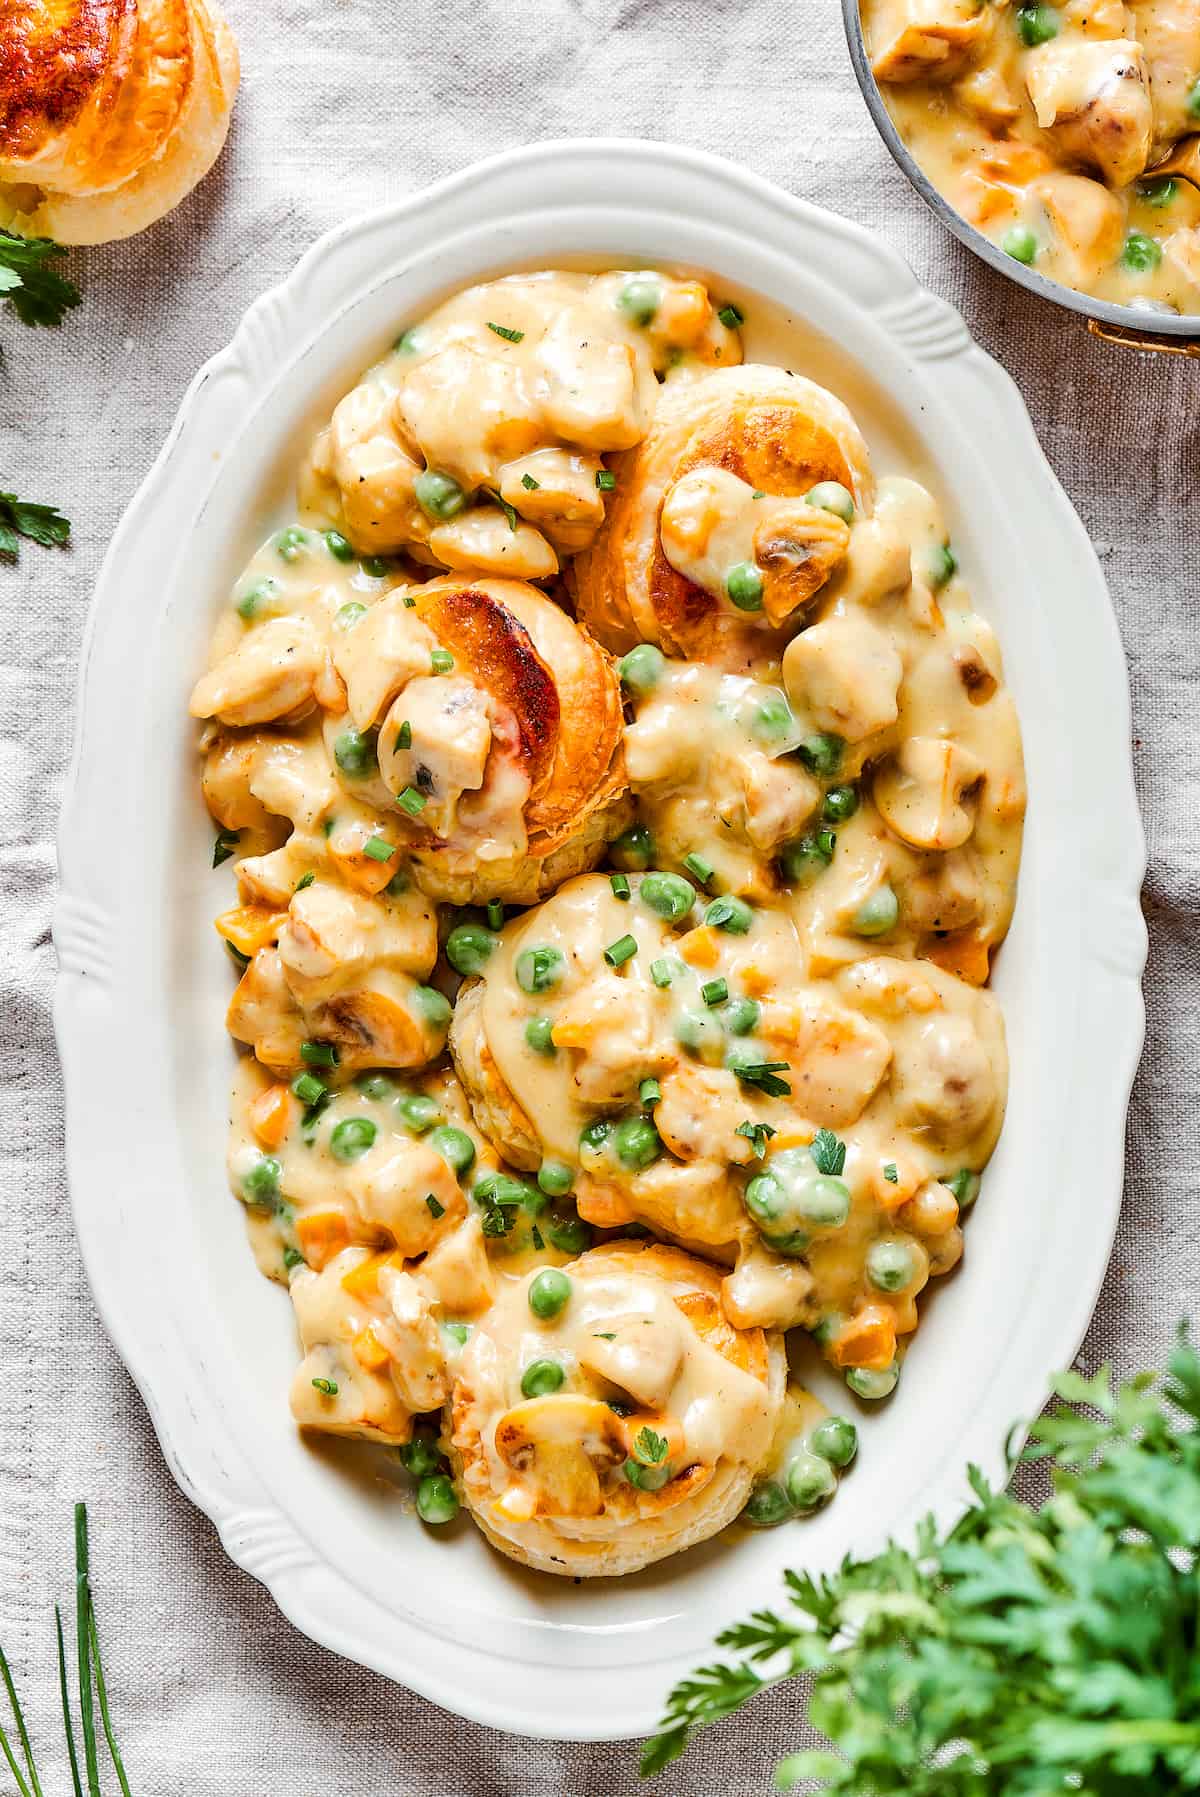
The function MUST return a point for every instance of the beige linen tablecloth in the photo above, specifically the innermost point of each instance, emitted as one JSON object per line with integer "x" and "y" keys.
{"x": 345, "y": 106}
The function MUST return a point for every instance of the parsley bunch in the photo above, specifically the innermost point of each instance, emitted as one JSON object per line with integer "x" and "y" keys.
{"x": 42, "y": 524}
{"x": 1023, "y": 1654}
{"x": 37, "y": 293}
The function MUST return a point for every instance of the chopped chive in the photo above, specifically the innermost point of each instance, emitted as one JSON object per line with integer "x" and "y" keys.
{"x": 410, "y": 602}
{"x": 699, "y": 868}
{"x": 436, "y": 1210}
{"x": 604, "y": 1335}
{"x": 649, "y": 1092}
{"x": 620, "y": 885}
{"x": 662, "y": 971}
{"x": 530, "y": 485}
{"x": 319, "y": 1054}
{"x": 441, "y": 661}
{"x": 83, "y": 1652}
{"x": 606, "y": 480}
{"x": 225, "y": 845}
{"x": 503, "y": 330}
{"x": 714, "y": 992}
{"x": 617, "y": 953}
{"x": 328, "y": 1388}
{"x": 891, "y": 1173}
{"x": 535, "y": 1236}
{"x": 292, "y": 1257}
{"x": 235, "y": 954}
{"x": 495, "y": 914}
{"x": 378, "y": 848}
{"x": 102, "y": 1695}
{"x": 404, "y": 735}
{"x": 308, "y": 1088}
{"x": 731, "y": 317}
{"x": 68, "y": 1724}
{"x": 412, "y": 801}
{"x": 305, "y": 881}
{"x": 24, "y": 1737}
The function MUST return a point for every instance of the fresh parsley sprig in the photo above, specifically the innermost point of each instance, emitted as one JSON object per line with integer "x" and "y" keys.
{"x": 92, "y": 1692}
{"x": 828, "y": 1152}
{"x": 1021, "y": 1654}
{"x": 42, "y": 524}
{"x": 37, "y": 293}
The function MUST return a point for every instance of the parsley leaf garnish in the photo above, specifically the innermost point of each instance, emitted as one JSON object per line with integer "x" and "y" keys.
{"x": 37, "y": 293}
{"x": 762, "y": 1074}
{"x": 649, "y": 1448}
{"x": 510, "y": 511}
{"x": 758, "y": 1134}
{"x": 42, "y": 524}
{"x": 507, "y": 332}
{"x": 829, "y": 1155}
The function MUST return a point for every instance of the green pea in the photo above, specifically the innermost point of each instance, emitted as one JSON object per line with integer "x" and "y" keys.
{"x": 555, "y": 1178}
{"x": 413, "y": 341}
{"x": 733, "y": 915}
{"x": 773, "y": 720}
{"x": 377, "y": 566}
{"x": 459, "y": 1333}
{"x": 504, "y": 1189}
{"x": 549, "y": 1292}
{"x": 438, "y": 495}
{"x": 354, "y": 752}
{"x": 822, "y": 753}
{"x": 641, "y": 670}
{"x": 741, "y": 1016}
{"x": 437, "y": 1500}
{"x": 539, "y": 1034}
{"x": 965, "y": 1186}
{"x": 871, "y": 1383}
{"x": 826, "y": 1327}
{"x": 810, "y": 1481}
{"x": 647, "y": 1478}
{"x": 764, "y": 1199}
{"x": 832, "y": 496}
{"x": 637, "y": 1143}
{"x": 419, "y": 1111}
{"x": 835, "y": 1439}
{"x": 454, "y": 1145}
{"x": 570, "y": 1235}
{"x": 290, "y": 544}
{"x": 375, "y": 1085}
{"x": 1036, "y": 25}
{"x": 1020, "y": 243}
{"x": 339, "y": 547}
{"x": 633, "y": 849}
{"x": 1193, "y": 100}
{"x": 1141, "y": 254}
{"x": 540, "y": 1378}
{"x": 891, "y": 1264}
{"x": 469, "y": 947}
{"x": 824, "y": 1202}
{"x": 254, "y": 598}
{"x": 744, "y": 584}
{"x": 767, "y": 1506}
{"x": 260, "y": 1186}
{"x": 539, "y": 969}
{"x": 668, "y": 895}
{"x": 420, "y": 1456}
{"x": 351, "y": 1138}
{"x": 593, "y": 1137}
{"x": 431, "y": 1006}
{"x": 348, "y": 615}
{"x": 877, "y": 914}
{"x": 640, "y": 298}
{"x": 701, "y": 1034}
{"x": 802, "y": 861}
{"x": 840, "y": 802}
{"x": 1159, "y": 193}
{"x": 941, "y": 565}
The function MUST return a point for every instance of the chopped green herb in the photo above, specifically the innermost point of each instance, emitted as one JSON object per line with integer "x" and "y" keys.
{"x": 505, "y": 331}
{"x": 510, "y": 511}
{"x": 38, "y": 295}
{"x": 762, "y": 1074}
{"x": 604, "y": 1335}
{"x": 404, "y": 735}
{"x": 530, "y": 485}
{"x": 606, "y": 480}
{"x": 699, "y": 868}
{"x": 441, "y": 661}
{"x": 758, "y": 1135}
{"x": 649, "y": 1448}
{"x": 829, "y": 1154}
{"x": 305, "y": 881}
{"x": 664, "y": 970}
{"x": 617, "y": 953}
{"x": 436, "y": 1210}
{"x": 292, "y": 1257}
{"x": 731, "y": 317}
{"x": 42, "y": 524}
{"x": 620, "y": 885}
{"x": 236, "y": 955}
{"x": 649, "y": 1092}
{"x": 328, "y": 1388}
{"x": 378, "y": 848}
{"x": 225, "y": 845}
{"x": 319, "y": 1054}
{"x": 891, "y": 1173}
{"x": 308, "y": 1088}
{"x": 715, "y": 992}
{"x": 495, "y": 914}
{"x": 412, "y": 801}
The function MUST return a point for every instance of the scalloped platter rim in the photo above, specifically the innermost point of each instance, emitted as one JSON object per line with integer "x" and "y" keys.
{"x": 139, "y": 1005}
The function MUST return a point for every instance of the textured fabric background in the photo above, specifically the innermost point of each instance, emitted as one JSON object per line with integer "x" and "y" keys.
{"x": 343, "y": 106}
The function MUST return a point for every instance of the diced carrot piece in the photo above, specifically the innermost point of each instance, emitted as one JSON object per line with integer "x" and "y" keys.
{"x": 984, "y": 201}
{"x": 321, "y": 1236}
{"x": 362, "y": 1281}
{"x": 962, "y": 952}
{"x": 867, "y": 1339}
{"x": 360, "y": 871}
{"x": 271, "y": 1115}
{"x": 1013, "y": 160}
{"x": 250, "y": 927}
{"x": 890, "y": 1194}
{"x": 781, "y": 1023}
{"x": 699, "y": 946}
{"x": 369, "y": 1351}
{"x": 569, "y": 1034}
{"x": 601, "y": 1205}
{"x": 755, "y": 982}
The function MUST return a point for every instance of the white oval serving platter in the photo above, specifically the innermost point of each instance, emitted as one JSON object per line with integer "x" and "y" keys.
{"x": 142, "y": 985}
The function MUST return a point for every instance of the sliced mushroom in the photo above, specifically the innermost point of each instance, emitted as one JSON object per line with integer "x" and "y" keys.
{"x": 560, "y": 1446}
{"x": 1093, "y": 99}
{"x": 845, "y": 676}
{"x": 798, "y": 547}
{"x": 375, "y": 1024}
{"x": 923, "y": 793}
{"x": 269, "y": 675}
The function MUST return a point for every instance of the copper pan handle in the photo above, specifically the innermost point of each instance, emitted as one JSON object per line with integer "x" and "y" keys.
{"x": 1127, "y": 338}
